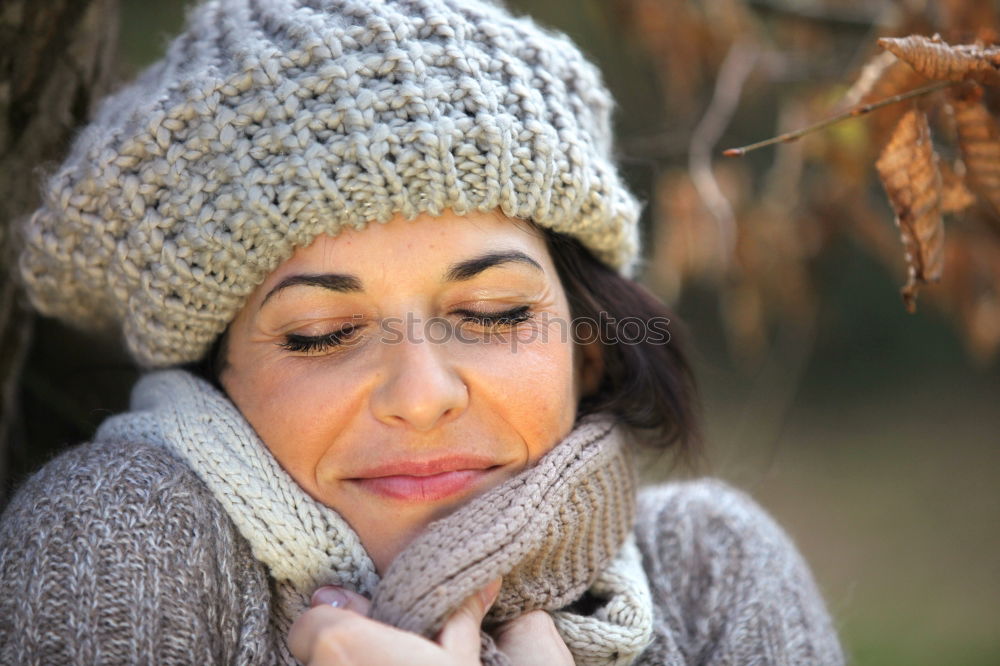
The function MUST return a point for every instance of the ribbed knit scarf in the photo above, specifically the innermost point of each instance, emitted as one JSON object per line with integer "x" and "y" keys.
{"x": 556, "y": 532}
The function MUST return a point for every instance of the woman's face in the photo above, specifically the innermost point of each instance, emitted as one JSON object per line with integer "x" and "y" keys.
{"x": 399, "y": 370}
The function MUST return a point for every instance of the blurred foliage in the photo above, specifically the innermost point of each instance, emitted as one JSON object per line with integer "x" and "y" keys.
{"x": 753, "y": 230}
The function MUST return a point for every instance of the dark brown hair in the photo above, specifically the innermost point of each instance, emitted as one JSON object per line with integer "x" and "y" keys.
{"x": 646, "y": 380}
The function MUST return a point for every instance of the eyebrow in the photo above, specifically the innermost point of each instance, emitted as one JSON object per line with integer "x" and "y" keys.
{"x": 468, "y": 269}
{"x": 457, "y": 272}
{"x": 331, "y": 281}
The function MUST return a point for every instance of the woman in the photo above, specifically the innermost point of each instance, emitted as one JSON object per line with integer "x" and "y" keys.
{"x": 377, "y": 254}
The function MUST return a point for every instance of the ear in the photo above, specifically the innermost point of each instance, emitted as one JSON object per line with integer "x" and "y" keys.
{"x": 589, "y": 366}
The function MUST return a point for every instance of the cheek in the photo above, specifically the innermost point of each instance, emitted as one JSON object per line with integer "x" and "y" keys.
{"x": 531, "y": 384}
{"x": 295, "y": 410}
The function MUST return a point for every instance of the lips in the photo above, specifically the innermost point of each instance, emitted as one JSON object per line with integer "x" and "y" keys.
{"x": 425, "y": 481}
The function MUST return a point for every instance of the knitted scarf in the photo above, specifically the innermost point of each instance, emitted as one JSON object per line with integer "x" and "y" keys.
{"x": 556, "y": 532}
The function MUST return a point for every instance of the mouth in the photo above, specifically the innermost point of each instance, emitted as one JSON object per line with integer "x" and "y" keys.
{"x": 430, "y": 481}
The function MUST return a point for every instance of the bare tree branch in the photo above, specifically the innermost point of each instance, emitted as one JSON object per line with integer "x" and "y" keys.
{"x": 733, "y": 74}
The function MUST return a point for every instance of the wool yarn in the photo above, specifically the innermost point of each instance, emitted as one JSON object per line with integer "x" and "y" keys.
{"x": 270, "y": 122}
{"x": 552, "y": 532}
{"x": 117, "y": 552}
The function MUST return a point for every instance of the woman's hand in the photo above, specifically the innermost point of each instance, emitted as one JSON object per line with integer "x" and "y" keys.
{"x": 532, "y": 640}
{"x": 336, "y": 631}
{"x": 327, "y": 634}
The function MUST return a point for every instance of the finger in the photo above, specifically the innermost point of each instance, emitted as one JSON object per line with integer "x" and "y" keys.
{"x": 328, "y": 636}
{"x": 338, "y": 597}
{"x": 460, "y": 634}
{"x": 304, "y": 634}
{"x": 532, "y": 640}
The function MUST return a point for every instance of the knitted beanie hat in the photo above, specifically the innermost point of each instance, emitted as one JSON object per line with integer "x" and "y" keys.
{"x": 270, "y": 122}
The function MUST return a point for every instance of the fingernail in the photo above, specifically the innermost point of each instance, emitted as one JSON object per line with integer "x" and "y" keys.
{"x": 331, "y": 596}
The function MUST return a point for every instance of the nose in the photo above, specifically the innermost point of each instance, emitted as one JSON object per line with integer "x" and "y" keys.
{"x": 420, "y": 388}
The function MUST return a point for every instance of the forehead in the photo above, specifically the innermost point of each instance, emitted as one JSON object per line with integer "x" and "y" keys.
{"x": 418, "y": 246}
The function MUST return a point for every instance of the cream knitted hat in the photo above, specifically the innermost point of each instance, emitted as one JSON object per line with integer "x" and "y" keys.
{"x": 270, "y": 122}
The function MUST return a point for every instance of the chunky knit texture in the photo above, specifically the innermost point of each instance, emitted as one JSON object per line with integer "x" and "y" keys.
{"x": 115, "y": 553}
{"x": 118, "y": 552}
{"x": 568, "y": 516}
{"x": 728, "y": 586}
{"x": 270, "y": 122}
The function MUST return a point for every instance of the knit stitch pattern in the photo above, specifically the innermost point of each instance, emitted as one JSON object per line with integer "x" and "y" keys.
{"x": 270, "y": 122}
{"x": 116, "y": 553}
{"x": 304, "y": 543}
{"x": 567, "y": 516}
{"x": 730, "y": 586}
{"x": 621, "y": 628}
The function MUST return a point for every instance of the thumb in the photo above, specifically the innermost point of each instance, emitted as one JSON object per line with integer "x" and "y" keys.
{"x": 338, "y": 597}
{"x": 460, "y": 634}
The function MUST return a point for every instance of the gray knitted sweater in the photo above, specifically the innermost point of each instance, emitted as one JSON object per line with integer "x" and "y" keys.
{"x": 117, "y": 553}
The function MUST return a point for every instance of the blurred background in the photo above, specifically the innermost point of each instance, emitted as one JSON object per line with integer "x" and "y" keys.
{"x": 870, "y": 433}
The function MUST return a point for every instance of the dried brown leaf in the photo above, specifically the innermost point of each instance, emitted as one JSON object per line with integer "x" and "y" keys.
{"x": 971, "y": 291}
{"x": 983, "y": 326}
{"x": 936, "y": 59}
{"x": 883, "y": 76}
{"x": 979, "y": 140}
{"x": 955, "y": 196}
{"x": 688, "y": 243}
{"x": 965, "y": 21}
{"x": 909, "y": 172}
{"x": 742, "y": 307}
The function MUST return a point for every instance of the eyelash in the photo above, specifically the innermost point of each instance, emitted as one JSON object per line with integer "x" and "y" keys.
{"x": 492, "y": 320}
{"x": 317, "y": 343}
{"x": 305, "y": 344}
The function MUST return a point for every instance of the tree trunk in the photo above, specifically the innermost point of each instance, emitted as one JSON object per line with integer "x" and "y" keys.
{"x": 57, "y": 61}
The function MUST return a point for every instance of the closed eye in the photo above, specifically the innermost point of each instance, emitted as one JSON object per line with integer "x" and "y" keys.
{"x": 342, "y": 337}
{"x": 492, "y": 320}
{"x": 348, "y": 334}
